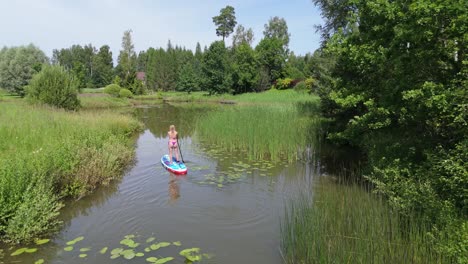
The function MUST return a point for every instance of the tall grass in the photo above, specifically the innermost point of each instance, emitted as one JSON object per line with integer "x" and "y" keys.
{"x": 48, "y": 154}
{"x": 347, "y": 224}
{"x": 263, "y": 131}
{"x": 100, "y": 101}
{"x": 270, "y": 96}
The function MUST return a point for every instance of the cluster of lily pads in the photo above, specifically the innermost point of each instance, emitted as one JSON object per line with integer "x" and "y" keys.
{"x": 235, "y": 173}
{"x": 28, "y": 250}
{"x": 127, "y": 250}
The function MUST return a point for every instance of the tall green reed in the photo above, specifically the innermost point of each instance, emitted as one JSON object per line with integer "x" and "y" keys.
{"x": 344, "y": 223}
{"x": 262, "y": 131}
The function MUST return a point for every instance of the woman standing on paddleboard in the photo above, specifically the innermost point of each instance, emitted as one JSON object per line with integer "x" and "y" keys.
{"x": 172, "y": 144}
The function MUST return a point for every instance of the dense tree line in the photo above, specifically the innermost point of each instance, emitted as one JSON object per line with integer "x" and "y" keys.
{"x": 398, "y": 90}
{"x": 219, "y": 68}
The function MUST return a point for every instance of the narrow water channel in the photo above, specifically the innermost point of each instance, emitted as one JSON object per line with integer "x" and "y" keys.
{"x": 227, "y": 206}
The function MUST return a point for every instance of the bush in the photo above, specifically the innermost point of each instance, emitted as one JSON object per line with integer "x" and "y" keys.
{"x": 283, "y": 84}
{"x": 125, "y": 93}
{"x": 137, "y": 87}
{"x": 112, "y": 89}
{"x": 301, "y": 86}
{"x": 310, "y": 83}
{"x": 54, "y": 86}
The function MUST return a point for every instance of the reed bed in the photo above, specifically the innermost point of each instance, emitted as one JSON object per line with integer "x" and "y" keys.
{"x": 47, "y": 154}
{"x": 262, "y": 131}
{"x": 272, "y": 96}
{"x": 346, "y": 224}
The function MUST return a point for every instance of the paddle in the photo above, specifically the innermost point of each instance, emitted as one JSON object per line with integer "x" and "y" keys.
{"x": 180, "y": 151}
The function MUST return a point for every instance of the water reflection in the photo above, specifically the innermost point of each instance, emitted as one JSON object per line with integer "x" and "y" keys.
{"x": 184, "y": 116}
{"x": 174, "y": 188}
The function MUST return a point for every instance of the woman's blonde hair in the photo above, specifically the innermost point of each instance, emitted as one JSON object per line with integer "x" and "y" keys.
{"x": 171, "y": 127}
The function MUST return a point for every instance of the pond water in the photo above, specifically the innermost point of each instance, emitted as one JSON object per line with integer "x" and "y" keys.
{"x": 226, "y": 205}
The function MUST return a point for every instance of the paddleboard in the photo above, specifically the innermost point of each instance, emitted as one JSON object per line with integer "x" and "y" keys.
{"x": 173, "y": 166}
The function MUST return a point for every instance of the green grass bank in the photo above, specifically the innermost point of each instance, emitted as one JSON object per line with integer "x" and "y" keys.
{"x": 47, "y": 155}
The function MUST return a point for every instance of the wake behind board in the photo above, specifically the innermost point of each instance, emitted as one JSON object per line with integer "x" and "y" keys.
{"x": 173, "y": 166}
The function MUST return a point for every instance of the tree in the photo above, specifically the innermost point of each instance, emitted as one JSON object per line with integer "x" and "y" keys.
{"x": 225, "y": 22}
{"x": 242, "y": 36}
{"x": 18, "y": 65}
{"x": 245, "y": 69}
{"x": 399, "y": 93}
{"x": 216, "y": 69}
{"x": 271, "y": 57}
{"x": 277, "y": 28}
{"x": 188, "y": 80}
{"x": 198, "y": 52}
{"x": 141, "y": 61}
{"x": 127, "y": 60}
{"x": 79, "y": 60}
{"x": 55, "y": 86}
{"x": 103, "y": 67}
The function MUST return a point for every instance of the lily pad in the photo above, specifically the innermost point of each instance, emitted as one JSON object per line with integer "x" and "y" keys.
{"x": 30, "y": 250}
{"x": 191, "y": 254}
{"x": 115, "y": 256}
{"x": 129, "y": 236}
{"x": 85, "y": 249}
{"x": 147, "y": 249}
{"x": 220, "y": 185}
{"x": 72, "y": 242}
{"x": 42, "y": 241}
{"x": 39, "y": 261}
{"x": 128, "y": 254}
{"x": 163, "y": 260}
{"x": 18, "y": 252}
{"x": 177, "y": 243}
{"x": 151, "y": 239}
{"x": 69, "y": 248}
{"x": 139, "y": 254}
{"x": 83, "y": 255}
{"x": 152, "y": 259}
{"x": 103, "y": 250}
{"x": 116, "y": 251}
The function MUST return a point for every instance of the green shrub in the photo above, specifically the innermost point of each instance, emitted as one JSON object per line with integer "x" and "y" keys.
{"x": 310, "y": 83}
{"x": 53, "y": 85}
{"x": 283, "y": 84}
{"x": 301, "y": 86}
{"x": 125, "y": 93}
{"x": 112, "y": 89}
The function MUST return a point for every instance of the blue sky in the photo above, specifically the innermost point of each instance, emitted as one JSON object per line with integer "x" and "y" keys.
{"x": 55, "y": 24}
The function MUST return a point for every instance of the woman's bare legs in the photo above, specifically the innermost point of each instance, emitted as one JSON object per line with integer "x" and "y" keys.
{"x": 170, "y": 153}
{"x": 176, "y": 149}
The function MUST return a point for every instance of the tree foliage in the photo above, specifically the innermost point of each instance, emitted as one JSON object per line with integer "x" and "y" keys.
{"x": 277, "y": 28}
{"x": 216, "y": 69}
{"x": 399, "y": 93}
{"x": 80, "y": 61}
{"x": 244, "y": 69}
{"x": 271, "y": 57}
{"x": 18, "y": 65}
{"x": 242, "y": 35}
{"x": 225, "y": 21}
{"x": 54, "y": 86}
{"x": 127, "y": 60}
{"x": 103, "y": 67}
